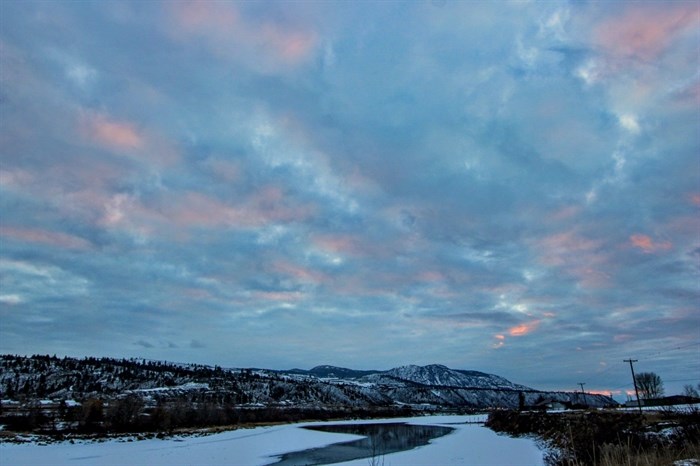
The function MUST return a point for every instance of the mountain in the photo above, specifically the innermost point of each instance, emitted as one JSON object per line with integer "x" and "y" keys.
{"x": 330, "y": 372}
{"x": 156, "y": 382}
{"x": 338, "y": 372}
{"x": 439, "y": 375}
{"x": 430, "y": 375}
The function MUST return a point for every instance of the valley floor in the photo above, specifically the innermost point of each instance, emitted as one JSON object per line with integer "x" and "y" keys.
{"x": 469, "y": 444}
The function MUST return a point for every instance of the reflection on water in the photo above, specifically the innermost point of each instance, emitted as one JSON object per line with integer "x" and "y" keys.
{"x": 379, "y": 440}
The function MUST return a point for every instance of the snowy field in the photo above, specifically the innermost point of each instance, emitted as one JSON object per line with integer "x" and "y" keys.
{"x": 469, "y": 444}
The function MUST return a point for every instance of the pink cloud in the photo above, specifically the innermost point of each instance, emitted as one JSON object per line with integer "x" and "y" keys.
{"x": 50, "y": 238}
{"x": 292, "y": 46}
{"x": 565, "y": 213}
{"x": 202, "y": 16}
{"x": 197, "y": 210}
{"x": 648, "y": 245}
{"x": 124, "y": 137}
{"x": 300, "y": 273}
{"x": 228, "y": 33}
{"x": 645, "y": 30}
{"x": 115, "y": 134}
{"x": 695, "y": 199}
{"x": 577, "y": 256}
{"x": 523, "y": 329}
{"x": 339, "y": 244}
{"x": 559, "y": 249}
{"x": 430, "y": 276}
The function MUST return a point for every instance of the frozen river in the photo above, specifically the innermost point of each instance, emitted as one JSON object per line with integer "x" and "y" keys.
{"x": 456, "y": 443}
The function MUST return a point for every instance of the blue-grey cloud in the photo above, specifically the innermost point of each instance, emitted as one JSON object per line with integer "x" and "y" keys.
{"x": 508, "y": 187}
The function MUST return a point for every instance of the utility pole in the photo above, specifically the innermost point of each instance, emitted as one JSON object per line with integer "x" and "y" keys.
{"x": 583, "y": 393}
{"x": 634, "y": 379}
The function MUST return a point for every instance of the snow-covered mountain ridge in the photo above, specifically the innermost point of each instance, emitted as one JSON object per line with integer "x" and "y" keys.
{"x": 330, "y": 372}
{"x": 437, "y": 386}
{"x": 442, "y": 376}
{"x": 432, "y": 375}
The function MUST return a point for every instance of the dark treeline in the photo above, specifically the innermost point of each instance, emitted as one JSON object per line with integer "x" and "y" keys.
{"x": 132, "y": 415}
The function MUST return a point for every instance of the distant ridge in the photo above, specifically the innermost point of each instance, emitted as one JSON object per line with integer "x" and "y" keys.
{"x": 439, "y": 375}
{"x": 436, "y": 375}
{"x": 330, "y": 372}
{"x": 433, "y": 386}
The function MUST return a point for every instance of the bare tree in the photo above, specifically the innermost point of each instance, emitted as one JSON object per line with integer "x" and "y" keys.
{"x": 689, "y": 390}
{"x": 650, "y": 385}
{"x": 124, "y": 413}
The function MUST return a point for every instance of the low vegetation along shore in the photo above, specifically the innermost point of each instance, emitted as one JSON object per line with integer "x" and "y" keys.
{"x": 608, "y": 438}
{"x": 96, "y": 418}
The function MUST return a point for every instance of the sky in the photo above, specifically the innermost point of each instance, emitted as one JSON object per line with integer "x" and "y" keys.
{"x": 509, "y": 186}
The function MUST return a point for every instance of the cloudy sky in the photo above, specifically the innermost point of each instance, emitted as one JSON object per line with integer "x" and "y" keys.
{"x": 509, "y": 186}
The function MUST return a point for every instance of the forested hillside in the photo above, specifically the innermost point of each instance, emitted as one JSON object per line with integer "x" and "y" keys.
{"x": 122, "y": 394}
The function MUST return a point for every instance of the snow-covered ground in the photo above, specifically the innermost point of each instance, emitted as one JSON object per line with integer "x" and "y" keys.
{"x": 469, "y": 444}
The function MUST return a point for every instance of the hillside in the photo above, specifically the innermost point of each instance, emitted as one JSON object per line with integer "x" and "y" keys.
{"x": 434, "y": 386}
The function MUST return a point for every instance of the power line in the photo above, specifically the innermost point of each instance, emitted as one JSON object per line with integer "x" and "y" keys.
{"x": 652, "y": 356}
{"x": 627, "y": 385}
{"x": 620, "y": 387}
{"x": 675, "y": 348}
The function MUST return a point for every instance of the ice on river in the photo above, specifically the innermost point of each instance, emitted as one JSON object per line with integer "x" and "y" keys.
{"x": 468, "y": 444}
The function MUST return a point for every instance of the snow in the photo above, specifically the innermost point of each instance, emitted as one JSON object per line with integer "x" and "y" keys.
{"x": 468, "y": 444}
{"x": 185, "y": 386}
{"x": 437, "y": 374}
{"x": 688, "y": 408}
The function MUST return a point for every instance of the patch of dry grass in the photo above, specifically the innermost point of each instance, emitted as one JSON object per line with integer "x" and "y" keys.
{"x": 626, "y": 455}
{"x": 600, "y": 438}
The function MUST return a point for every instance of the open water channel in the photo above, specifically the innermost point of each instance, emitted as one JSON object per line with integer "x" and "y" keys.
{"x": 376, "y": 441}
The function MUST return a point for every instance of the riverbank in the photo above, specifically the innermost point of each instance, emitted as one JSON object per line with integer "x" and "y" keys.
{"x": 607, "y": 438}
